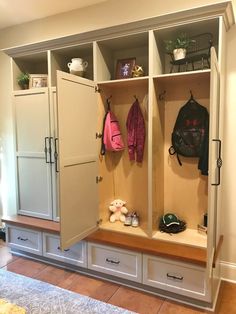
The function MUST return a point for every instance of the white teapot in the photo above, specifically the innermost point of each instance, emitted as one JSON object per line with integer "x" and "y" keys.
{"x": 77, "y": 66}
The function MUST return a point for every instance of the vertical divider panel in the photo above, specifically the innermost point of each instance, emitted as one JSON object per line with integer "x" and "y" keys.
{"x": 50, "y": 69}
{"x": 150, "y": 154}
{"x": 95, "y": 61}
{"x": 158, "y": 128}
{"x": 102, "y": 70}
{"x": 15, "y": 70}
{"x": 151, "y": 61}
{"x": 106, "y": 168}
{"x": 155, "y": 65}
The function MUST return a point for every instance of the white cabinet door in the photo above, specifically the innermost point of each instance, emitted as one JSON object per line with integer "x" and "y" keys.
{"x": 77, "y": 165}
{"x": 214, "y": 154}
{"x": 32, "y": 131}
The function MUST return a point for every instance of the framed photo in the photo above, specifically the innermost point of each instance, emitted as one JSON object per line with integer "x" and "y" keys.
{"x": 38, "y": 80}
{"x": 124, "y": 68}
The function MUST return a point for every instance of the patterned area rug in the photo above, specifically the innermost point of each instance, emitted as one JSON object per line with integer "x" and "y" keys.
{"x": 38, "y": 297}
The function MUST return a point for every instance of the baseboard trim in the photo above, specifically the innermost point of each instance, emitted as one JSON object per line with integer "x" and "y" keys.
{"x": 228, "y": 271}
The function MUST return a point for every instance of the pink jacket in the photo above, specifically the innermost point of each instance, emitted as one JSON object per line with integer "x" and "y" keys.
{"x": 135, "y": 132}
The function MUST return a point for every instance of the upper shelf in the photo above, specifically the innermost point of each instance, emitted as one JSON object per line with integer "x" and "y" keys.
{"x": 138, "y": 81}
{"x": 111, "y": 60}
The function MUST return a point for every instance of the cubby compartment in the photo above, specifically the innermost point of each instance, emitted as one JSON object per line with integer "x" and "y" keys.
{"x": 122, "y": 178}
{"x": 62, "y": 56}
{"x": 111, "y": 54}
{"x": 203, "y": 34}
{"x": 33, "y": 64}
{"x": 181, "y": 190}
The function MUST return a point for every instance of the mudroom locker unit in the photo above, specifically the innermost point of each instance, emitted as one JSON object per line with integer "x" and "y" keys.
{"x": 65, "y": 186}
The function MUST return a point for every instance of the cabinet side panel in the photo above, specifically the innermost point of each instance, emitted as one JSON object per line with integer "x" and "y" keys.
{"x": 130, "y": 177}
{"x": 106, "y": 166}
{"x": 158, "y": 155}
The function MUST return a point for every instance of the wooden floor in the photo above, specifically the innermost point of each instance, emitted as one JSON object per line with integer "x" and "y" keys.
{"x": 115, "y": 294}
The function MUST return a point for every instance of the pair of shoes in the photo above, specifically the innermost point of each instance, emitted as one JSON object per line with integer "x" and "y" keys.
{"x": 132, "y": 220}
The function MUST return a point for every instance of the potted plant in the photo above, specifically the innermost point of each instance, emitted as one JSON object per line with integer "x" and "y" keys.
{"x": 178, "y": 46}
{"x": 23, "y": 80}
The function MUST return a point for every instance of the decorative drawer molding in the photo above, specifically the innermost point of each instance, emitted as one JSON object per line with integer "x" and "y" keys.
{"x": 180, "y": 278}
{"x": 24, "y": 239}
{"x": 117, "y": 262}
{"x": 76, "y": 254}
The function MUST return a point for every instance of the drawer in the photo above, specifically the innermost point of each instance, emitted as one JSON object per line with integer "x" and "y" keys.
{"x": 76, "y": 254}
{"x": 181, "y": 278}
{"x": 25, "y": 239}
{"x": 122, "y": 263}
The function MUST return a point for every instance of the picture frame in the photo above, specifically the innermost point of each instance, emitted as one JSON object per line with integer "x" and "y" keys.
{"x": 124, "y": 68}
{"x": 38, "y": 80}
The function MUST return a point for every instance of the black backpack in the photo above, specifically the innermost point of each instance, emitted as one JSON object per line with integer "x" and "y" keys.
{"x": 190, "y": 135}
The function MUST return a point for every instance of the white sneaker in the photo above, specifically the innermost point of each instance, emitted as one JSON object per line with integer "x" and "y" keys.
{"x": 135, "y": 220}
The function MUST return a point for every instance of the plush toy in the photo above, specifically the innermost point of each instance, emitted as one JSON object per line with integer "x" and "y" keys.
{"x": 119, "y": 210}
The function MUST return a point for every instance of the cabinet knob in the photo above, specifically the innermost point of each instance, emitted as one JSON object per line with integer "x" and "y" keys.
{"x": 66, "y": 250}
{"x": 22, "y": 239}
{"x": 180, "y": 278}
{"x": 111, "y": 261}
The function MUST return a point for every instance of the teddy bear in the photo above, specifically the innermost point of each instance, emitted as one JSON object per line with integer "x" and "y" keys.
{"x": 118, "y": 209}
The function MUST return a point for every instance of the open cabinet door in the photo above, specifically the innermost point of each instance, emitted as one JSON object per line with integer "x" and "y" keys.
{"x": 77, "y": 163}
{"x": 214, "y": 160}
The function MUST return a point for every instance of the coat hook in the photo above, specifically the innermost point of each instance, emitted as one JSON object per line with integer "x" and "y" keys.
{"x": 191, "y": 94}
{"x": 162, "y": 95}
{"x": 109, "y": 103}
{"x": 135, "y": 97}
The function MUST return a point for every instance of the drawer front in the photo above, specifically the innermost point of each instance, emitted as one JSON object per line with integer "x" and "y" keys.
{"x": 122, "y": 263}
{"x": 176, "y": 277}
{"x": 76, "y": 254}
{"x": 25, "y": 239}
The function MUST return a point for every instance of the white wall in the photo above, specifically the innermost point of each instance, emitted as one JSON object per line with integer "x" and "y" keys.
{"x": 106, "y": 14}
{"x": 111, "y": 12}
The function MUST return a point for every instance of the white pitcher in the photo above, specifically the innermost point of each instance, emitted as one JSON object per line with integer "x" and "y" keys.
{"x": 77, "y": 66}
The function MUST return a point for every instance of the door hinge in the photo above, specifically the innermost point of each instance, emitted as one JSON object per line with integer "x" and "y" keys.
{"x": 98, "y": 135}
{"x": 97, "y": 89}
{"x": 98, "y": 179}
{"x": 99, "y": 222}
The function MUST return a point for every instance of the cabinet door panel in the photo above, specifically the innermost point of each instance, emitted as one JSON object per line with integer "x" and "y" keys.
{"x": 34, "y": 196}
{"x": 32, "y": 121}
{"x": 77, "y": 115}
{"x": 33, "y": 173}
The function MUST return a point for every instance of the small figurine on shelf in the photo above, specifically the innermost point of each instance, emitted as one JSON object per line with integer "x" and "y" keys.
{"x": 118, "y": 210}
{"x": 137, "y": 71}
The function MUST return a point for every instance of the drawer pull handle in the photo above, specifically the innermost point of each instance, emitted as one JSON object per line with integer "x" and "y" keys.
{"x": 112, "y": 262}
{"x": 22, "y": 239}
{"x": 175, "y": 277}
{"x": 66, "y": 250}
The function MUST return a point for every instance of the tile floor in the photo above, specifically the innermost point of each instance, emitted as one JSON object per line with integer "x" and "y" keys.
{"x": 115, "y": 294}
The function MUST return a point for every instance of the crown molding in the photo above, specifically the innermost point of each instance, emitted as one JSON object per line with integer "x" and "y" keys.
{"x": 224, "y": 9}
